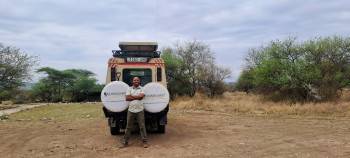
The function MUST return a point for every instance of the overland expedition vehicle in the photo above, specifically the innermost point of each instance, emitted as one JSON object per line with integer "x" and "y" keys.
{"x": 139, "y": 59}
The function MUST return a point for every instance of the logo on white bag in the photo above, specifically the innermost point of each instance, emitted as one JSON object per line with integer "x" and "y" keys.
{"x": 113, "y": 93}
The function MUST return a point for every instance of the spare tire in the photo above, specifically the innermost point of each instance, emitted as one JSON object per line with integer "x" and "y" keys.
{"x": 156, "y": 97}
{"x": 113, "y": 96}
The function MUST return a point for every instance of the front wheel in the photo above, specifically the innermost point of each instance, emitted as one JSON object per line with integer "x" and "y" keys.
{"x": 115, "y": 130}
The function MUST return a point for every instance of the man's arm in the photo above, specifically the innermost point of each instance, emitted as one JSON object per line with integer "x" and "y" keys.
{"x": 138, "y": 97}
{"x": 129, "y": 97}
{"x": 142, "y": 94}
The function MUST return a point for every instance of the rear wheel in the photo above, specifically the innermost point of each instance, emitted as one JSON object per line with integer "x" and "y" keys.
{"x": 115, "y": 130}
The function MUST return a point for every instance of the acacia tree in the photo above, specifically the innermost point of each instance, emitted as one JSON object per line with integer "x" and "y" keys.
{"x": 54, "y": 83}
{"x": 190, "y": 67}
{"x": 211, "y": 78}
{"x": 72, "y": 85}
{"x": 15, "y": 68}
{"x": 194, "y": 55}
{"x": 83, "y": 85}
{"x": 177, "y": 78}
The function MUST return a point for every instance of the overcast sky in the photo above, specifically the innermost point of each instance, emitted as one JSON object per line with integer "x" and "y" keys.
{"x": 82, "y": 33}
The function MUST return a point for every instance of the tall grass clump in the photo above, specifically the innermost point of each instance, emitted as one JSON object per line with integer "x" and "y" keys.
{"x": 240, "y": 102}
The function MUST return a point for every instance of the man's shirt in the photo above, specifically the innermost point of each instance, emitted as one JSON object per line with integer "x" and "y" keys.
{"x": 135, "y": 106}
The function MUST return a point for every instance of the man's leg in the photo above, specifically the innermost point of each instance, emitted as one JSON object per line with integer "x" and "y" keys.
{"x": 129, "y": 126}
{"x": 141, "y": 122}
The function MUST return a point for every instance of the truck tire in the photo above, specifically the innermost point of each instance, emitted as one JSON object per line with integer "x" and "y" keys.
{"x": 161, "y": 129}
{"x": 115, "y": 130}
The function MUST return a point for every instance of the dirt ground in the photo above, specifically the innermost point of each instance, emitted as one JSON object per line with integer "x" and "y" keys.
{"x": 189, "y": 134}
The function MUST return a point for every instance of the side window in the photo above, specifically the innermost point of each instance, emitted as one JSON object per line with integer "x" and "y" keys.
{"x": 113, "y": 74}
{"x": 159, "y": 74}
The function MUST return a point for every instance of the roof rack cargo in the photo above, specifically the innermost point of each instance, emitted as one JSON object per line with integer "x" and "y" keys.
{"x": 137, "y": 49}
{"x": 138, "y": 46}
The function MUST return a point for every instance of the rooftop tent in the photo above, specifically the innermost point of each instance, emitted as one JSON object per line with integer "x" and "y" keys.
{"x": 138, "y": 46}
{"x": 137, "y": 49}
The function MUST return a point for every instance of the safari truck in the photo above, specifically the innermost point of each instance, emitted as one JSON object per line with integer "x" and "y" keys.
{"x": 136, "y": 59}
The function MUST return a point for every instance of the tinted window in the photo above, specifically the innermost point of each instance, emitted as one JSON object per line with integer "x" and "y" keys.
{"x": 159, "y": 74}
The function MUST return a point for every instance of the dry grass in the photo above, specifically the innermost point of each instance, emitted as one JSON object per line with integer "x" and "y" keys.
{"x": 254, "y": 104}
{"x": 60, "y": 112}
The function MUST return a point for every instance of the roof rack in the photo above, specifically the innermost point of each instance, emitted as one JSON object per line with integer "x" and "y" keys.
{"x": 137, "y": 49}
{"x": 124, "y": 54}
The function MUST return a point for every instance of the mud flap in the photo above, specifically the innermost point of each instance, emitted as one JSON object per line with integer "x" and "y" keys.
{"x": 163, "y": 120}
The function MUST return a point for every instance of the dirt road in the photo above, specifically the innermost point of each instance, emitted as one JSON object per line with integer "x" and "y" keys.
{"x": 189, "y": 134}
{"x": 19, "y": 108}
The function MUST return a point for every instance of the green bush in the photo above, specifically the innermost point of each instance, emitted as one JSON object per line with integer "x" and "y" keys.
{"x": 246, "y": 81}
{"x": 315, "y": 69}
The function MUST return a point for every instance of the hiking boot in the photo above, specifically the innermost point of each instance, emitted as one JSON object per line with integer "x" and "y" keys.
{"x": 123, "y": 144}
{"x": 145, "y": 145}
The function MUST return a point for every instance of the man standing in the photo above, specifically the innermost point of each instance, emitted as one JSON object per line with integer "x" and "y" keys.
{"x": 135, "y": 95}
